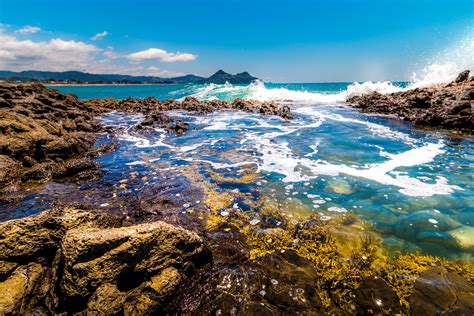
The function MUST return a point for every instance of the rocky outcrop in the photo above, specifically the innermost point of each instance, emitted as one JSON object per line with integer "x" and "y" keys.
{"x": 152, "y": 105}
{"x": 449, "y": 106}
{"x": 47, "y": 135}
{"x": 438, "y": 291}
{"x": 73, "y": 260}
{"x": 40, "y": 131}
{"x": 158, "y": 119}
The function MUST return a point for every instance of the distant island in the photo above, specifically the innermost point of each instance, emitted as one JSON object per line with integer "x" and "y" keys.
{"x": 78, "y": 77}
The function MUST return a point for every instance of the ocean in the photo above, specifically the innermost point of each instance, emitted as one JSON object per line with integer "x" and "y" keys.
{"x": 413, "y": 186}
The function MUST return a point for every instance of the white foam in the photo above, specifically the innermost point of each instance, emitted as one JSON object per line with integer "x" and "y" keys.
{"x": 143, "y": 142}
{"x": 278, "y": 157}
{"x": 442, "y": 68}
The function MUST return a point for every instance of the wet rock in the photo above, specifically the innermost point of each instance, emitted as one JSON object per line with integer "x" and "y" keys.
{"x": 72, "y": 260}
{"x": 152, "y": 105}
{"x": 463, "y": 76}
{"x": 43, "y": 127}
{"x": 375, "y": 297}
{"x": 440, "y": 292}
{"x": 10, "y": 170}
{"x": 464, "y": 237}
{"x": 162, "y": 120}
{"x": 447, "y": 106}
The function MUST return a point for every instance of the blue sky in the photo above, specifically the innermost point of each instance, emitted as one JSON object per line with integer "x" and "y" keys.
{"x": 280, "y": 41}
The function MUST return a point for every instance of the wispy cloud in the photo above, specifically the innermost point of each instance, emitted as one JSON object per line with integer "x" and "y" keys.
{"x": 162, "y": 55}
{"x": 99, "y": 36}
{"x": 28, "y": 29}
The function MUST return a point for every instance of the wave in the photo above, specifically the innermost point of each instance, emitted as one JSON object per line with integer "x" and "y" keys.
{"x": 258, "y": 91}
{"x": 441, "y": 69}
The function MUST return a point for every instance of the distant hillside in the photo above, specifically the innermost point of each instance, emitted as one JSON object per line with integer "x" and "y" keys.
{"x": 219, "y": 77}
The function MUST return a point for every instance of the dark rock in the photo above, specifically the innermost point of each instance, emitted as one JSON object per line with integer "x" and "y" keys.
{"x": 376, "y": 296}
{"x": 463, "y": 76}
{"x": 440, "y": 292}
{"x": 448, "y": 106}
{"x": 43, "y": 127}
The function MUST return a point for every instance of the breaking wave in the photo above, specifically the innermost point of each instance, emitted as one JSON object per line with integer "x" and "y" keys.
{"x": 442, "y": 68}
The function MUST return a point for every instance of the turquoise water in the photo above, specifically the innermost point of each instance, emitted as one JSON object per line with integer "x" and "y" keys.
{"x": 414, "y": 186}
{"x": 177, "y": 91}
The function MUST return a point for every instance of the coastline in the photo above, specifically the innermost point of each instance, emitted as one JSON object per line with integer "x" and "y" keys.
{"x": 105, "y": 84}
{"x": 179, "y": 245}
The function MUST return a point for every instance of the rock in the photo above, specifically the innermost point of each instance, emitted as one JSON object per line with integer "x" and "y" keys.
{"x": 159, "y": 119}
{"x": 72, "y": 261}
{"x": 42, "y": 127}
{"x": 376, "y": 296}
{"x": 447, "y": 106}
{"x": 464, "y": 237}
{"x": 95, "y": 256}
{"x": 106, "y": 300}
{"x": 10, "y": 170}
{"x": 440, "y": 292}
{"x": 463, "y": 76}
{"x": 17, "y": 286}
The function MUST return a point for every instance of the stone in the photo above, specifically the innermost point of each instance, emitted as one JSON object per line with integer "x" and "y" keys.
{"x": 70, "y": 260}
{"x": 17, "y": 286}
{"x": 464, "y": 237}
{"x": 95, "y": 256}
{"x": 448, "y": 106}
{"x": 438, "y": 292}
{"x": 375, "y": 295}
{"x": 463, "y": 76}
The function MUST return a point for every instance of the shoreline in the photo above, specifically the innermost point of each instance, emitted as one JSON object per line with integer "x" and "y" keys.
{"x": 104, "y": 84}
{"x": 180, "y": 245}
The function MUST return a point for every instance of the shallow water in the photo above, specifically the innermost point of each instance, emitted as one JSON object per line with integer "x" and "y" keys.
{"x": 416, "y": 187}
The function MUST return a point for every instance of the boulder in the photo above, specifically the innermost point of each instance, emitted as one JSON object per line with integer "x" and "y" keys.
{"x": 82, "y": 261}
{"x": 463, "y": 76}
{"x": 448, "y": 106}
{"x": 440, "y": 292}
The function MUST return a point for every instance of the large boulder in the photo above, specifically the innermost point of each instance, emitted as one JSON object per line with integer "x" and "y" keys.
{"x": 42, "y": 126}
{"x": 448, "y": 106}
{"x": 438, "y": 292}
{"x": 81, "y": 261}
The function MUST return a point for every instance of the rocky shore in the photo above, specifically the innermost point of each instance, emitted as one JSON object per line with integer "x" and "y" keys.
{"x": 147, "y": 250}
{"x": 448, "y": 106}
{"x": 47, "y": 135}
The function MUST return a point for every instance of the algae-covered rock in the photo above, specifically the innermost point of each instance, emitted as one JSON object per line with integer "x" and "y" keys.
{"x": 17, "y": 286}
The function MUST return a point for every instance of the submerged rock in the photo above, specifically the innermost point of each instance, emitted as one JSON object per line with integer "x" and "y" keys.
{"x": 440, "y": 292}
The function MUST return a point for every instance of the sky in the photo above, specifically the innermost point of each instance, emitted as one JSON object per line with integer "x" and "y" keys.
{"x": 278, "y": 41}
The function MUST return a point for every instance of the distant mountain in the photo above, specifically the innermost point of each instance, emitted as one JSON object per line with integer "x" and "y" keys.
{"x": 219, "y": 77}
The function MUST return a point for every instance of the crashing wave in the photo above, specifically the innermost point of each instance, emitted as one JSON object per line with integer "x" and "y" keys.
{"x": 442, "y": 69}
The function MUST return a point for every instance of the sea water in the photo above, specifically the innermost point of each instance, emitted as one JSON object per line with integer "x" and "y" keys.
{"x": 414, "y": 186}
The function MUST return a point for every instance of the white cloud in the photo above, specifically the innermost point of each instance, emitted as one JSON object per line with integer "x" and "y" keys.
{"x": 55, "y": 54}
{"x": 63, "y": 55}
{"x": 109, "y": 53}
{"x": 99, "y": 36}
{"x": 28, "y": 29}
{"x": 161, "y": 54}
